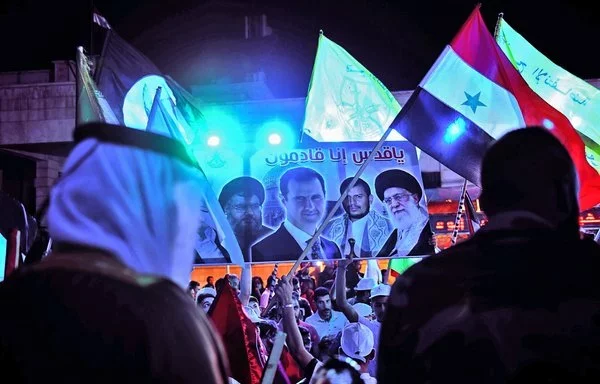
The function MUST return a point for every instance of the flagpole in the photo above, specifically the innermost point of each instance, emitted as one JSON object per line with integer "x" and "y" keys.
{"x": 78, "y": 83}
{"x": 153, "y": 109}
{"x": 497, "y": 28}
{"x": 338, "y": 203}
{"x": 468, "y": 219}
{"x": 461, "y": 207}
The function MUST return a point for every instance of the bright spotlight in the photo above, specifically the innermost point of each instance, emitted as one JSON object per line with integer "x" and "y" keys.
{"x": 275, "y": 132}
{"x": 213, "y": 141}
{"x": 274, "y": 139}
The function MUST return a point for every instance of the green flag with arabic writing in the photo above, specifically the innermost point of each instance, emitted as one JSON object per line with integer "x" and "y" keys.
{"x": 345, "y": 101}
{"x": 575, "y": 98}
{"x": 91, "y": 104}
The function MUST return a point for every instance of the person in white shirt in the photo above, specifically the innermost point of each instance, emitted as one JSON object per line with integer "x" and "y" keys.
{"x": 356, "y": 344}
{"x": 363, "y": 291}
{"x": 326, "y": 321}
{"x": 356, "y": 349}
{"x": 268, "y": 293}
{"x": 379, "y": 297}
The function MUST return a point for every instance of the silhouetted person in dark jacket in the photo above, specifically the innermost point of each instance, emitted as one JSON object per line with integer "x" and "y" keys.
{"x": 520, "y": 300}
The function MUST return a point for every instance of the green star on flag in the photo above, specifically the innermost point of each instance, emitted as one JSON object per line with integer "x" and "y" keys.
{"x": 473, "y": 101}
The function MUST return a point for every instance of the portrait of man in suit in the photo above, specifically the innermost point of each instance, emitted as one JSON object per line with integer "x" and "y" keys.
{"x": 303, "y": 197}
{"x": 366, "y": 226}
{"x": 242, "y": 199}
{"x": 401, "y": 194}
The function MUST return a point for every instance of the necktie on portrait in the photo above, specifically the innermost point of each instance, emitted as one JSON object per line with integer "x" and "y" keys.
{"x": 316, "y": 251}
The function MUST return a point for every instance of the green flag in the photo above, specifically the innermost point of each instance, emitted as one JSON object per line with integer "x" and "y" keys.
{"x": 345, "y": 101}
{"x": 575, "y": 98}
{"x": 91, "y": 105}
{"x": 398, "y": 266}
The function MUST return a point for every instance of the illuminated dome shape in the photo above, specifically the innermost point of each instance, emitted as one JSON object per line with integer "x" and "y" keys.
{"x": 139, "y": 98}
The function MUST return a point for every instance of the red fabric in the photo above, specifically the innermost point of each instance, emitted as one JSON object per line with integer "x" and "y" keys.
{"x": 477, "y": 47}
{"x": 239, "y": 335}
{"x": 13, "y": 247}
{"x": 291, "y": 367}
{"x": 309, "y": 295}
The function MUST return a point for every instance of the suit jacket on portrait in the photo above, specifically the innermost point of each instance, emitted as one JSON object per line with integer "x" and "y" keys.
{"x": 281, "y": 246}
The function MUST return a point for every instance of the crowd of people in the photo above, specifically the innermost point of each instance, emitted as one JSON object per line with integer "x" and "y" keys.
{"x": 325, "y": 304}
{"x": 518, "y": 302}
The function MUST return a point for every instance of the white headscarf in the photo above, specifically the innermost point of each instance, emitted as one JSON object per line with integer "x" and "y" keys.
{"x": 141, "y": 206}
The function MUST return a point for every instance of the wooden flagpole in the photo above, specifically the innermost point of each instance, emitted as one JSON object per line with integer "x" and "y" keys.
{"x": 270, "y": 369}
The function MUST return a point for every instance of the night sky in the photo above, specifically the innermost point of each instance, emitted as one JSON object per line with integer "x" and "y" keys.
{"x": 396, "y": 40}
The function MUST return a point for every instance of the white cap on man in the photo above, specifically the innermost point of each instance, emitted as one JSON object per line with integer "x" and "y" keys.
{"x": 207, "y": 291}
{"x": 357, "y": 341}
{"x": 381, "y": 290}
{"x": 363, "y": 309}
{"x": 365, "y": 284}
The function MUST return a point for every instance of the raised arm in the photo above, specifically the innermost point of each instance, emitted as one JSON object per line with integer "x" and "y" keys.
{"x": 246, "y": 283}
{"x": 283, "y": 292}
{"x": 340, "y": 291}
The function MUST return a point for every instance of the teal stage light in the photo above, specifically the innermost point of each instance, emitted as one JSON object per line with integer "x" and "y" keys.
{"x": 274, "y": 139}
{"x": 277, "y": 133}
{"x": 213, "y": 141}
{"x": 223, "y": 131}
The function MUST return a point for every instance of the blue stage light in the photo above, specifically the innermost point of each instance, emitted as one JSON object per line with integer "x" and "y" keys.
{"x": 274, "y": 139}
{"x": 275, "y": 132}
{"x": 213, "y": 141}
{"x": 222, "y": 130}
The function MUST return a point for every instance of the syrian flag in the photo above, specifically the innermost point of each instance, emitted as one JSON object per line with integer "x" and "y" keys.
{"x": 472, "y": 96}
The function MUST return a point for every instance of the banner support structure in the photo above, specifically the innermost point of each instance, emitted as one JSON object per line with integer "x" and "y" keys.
{"x": 459, "y": 212}
{"x": 338, "y": 203}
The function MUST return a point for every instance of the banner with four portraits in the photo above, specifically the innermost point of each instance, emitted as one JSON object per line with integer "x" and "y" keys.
{"x": 285, "y": 195}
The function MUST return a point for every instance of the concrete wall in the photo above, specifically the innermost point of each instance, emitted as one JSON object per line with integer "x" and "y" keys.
{"x": 37, "y": 113}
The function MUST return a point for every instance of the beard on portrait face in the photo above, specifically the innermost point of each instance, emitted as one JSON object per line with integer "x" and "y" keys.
{"x": 247, "y": 225}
